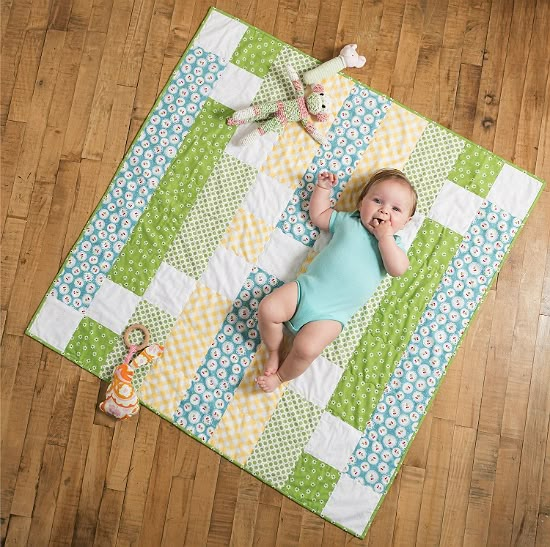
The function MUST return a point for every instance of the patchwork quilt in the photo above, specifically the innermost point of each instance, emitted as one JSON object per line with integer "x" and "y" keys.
{"x": 195, "y": 230}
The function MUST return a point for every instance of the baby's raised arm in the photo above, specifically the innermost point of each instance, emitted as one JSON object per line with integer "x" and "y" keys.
{"x": 319, "y": 205}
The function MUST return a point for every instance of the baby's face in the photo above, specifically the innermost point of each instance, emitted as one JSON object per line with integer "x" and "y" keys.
{"x": 390, "y": 200}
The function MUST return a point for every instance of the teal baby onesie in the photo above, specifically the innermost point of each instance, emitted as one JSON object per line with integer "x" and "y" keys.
{"x": 342, "y": 277}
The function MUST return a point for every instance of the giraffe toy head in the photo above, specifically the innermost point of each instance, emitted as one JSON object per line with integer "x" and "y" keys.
{"x": 318, "y": 103}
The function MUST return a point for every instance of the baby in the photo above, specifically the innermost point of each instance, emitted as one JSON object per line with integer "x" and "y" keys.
{"x": 342, "y": 277}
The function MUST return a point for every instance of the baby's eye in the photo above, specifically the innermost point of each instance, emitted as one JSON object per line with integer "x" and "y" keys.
{"x": 376, "y": 200}
{"x": 397, "y": 209}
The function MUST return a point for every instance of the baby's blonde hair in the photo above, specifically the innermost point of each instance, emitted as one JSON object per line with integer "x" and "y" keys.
{"x": 385, "y": 174}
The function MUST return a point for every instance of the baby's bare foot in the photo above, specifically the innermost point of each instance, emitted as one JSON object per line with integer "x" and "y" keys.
{"x": 269, "y": 383}
{"x": 272, "y": 364}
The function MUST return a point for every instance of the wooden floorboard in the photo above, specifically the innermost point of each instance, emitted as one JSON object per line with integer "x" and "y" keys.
{"x": 78, "y": 79}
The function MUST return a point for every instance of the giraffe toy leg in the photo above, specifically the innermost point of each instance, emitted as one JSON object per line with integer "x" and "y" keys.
{"x": 272, "y": 125}
{"x": 253, "y": 113}
{"x": 240, "y": 117}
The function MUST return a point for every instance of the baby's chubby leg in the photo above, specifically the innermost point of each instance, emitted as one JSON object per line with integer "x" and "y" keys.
{"x": 274, "y": 310}
{"x": 310, "y": 341}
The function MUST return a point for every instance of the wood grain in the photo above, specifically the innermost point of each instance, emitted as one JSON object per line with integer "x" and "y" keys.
{"x": 78, "y": 79}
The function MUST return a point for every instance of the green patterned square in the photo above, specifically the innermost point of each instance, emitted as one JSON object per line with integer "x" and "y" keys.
{"x": 311, "y": 483}
{"x": 432, "y": 158}
{"x": 276, "y": 85}
{"x": 476, "y": 169}
{"x": 382, "y": 346}
{"x": 159, "y": 324}
{"x": 256, "y": 52}
{"x": 90, "y": 345}
{"x": 211, "y": 214}
{"x": 177, "y": 192}
{"x": 281, "y": 443}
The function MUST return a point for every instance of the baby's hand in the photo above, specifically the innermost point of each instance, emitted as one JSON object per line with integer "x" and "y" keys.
{"x": 380, "y": 228}
{"x": 326, "y": 180}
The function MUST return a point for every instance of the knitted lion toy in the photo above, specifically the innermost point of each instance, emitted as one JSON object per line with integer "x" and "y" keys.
{"x": 275, "y": 115}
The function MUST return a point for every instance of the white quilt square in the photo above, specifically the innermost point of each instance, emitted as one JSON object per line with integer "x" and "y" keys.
{"x": 113, "y": 305}
{"x": 283, "y": 256}
{"x": 455, "y": 207}
{"x": 408, "y": 233}
{"x": 55, "y": 323}
{"x": 267, "y": 198}
{"x": 514, "y": 191}
{"x": 333, "y": 441}
{"x": 351, "y": 504}
{"x": 318, "y": 382}
{"x": 170, "y": 289}
{"x": 220, "y": 35}
{"x": 254, "y": 153}
{"x": 236, "y": 87}
{"x": 226, "y": 273}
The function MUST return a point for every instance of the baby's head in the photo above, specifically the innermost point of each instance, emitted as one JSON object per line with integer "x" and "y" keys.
{"x": 388, "y": 195}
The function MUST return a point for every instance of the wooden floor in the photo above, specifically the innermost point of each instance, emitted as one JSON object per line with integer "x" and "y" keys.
{"x": 78, "y": 79}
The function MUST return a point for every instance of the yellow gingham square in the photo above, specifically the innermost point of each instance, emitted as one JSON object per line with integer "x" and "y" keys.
{"x": 184, "y": 351}
{"x": 246, "y": 417}
{"x": 288, "y": 161}
{"x": 247, "y": 235}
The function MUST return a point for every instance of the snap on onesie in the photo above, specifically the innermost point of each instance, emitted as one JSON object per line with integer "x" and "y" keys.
{"x": 341, "y": 278}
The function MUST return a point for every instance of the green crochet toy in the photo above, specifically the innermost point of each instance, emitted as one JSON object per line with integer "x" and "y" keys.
{"x": 275, "y": 115}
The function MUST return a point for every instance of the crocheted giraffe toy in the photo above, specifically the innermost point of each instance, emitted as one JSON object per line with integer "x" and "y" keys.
{"x": 275, "y": 115}
{"x": 298, "y": 109}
